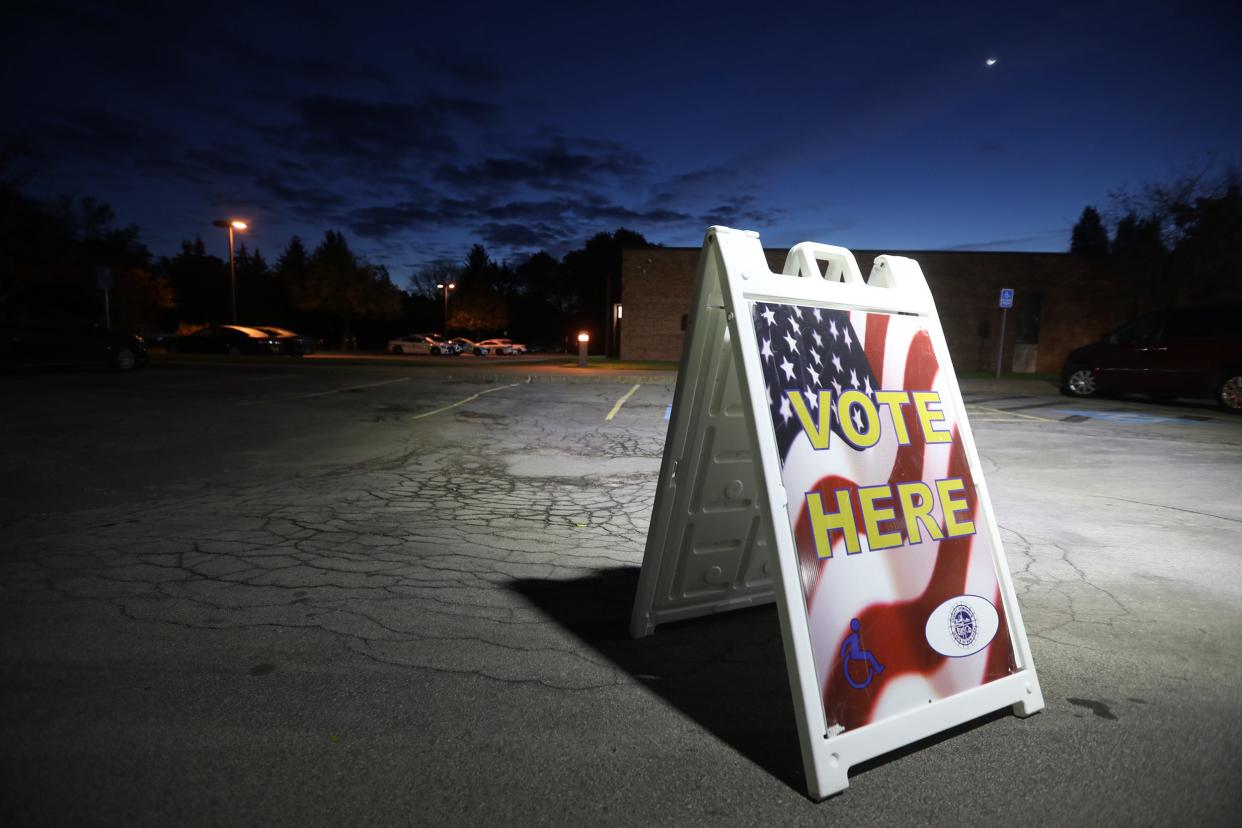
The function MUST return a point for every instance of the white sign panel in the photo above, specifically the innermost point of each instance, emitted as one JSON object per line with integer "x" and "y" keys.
{"x": 819, "y": 455}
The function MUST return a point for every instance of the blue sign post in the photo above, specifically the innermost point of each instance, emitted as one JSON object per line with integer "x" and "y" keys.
{"x": 1006, "y": 302}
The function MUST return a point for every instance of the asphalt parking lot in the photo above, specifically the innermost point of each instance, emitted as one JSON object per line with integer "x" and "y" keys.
{"x": 343, "y": 594}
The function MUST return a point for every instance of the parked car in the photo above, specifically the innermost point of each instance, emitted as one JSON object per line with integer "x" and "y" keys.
{"x": 1189, "y": 352}
{"x": 417, "y": 344}
{"x": 227, "y": 339}
{"x": 444, "y": 347}
{"x": 461, "y": 344}
{"x": 290, "y": 343}
{"x": 35, "y": 335}
{"x": 156, "y": 337}
{"x": 498, "y": 346}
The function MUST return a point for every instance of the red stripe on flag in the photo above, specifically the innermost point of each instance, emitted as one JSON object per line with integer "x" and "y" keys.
{"x": 809, "y": 562}
{"x": 877, "y": 339}
{"x": 921, "y": 370}
{"x": 1001, "y": 661}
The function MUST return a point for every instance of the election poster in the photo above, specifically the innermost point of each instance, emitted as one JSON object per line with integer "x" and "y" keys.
{"x": 903, "y": 600}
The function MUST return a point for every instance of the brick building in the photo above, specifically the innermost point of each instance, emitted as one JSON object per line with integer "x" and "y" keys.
{"x": 1058, "y": 303}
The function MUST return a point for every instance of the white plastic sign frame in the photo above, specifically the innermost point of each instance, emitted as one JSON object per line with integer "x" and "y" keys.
{"x": 721, "y": 535}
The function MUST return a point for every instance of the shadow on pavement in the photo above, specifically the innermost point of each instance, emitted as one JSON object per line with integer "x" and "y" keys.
{"x": 725, "y": 672}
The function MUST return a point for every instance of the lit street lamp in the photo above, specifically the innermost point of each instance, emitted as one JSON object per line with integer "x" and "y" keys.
{"x": 446, "y": 289}
{"x": 232, "y": 225}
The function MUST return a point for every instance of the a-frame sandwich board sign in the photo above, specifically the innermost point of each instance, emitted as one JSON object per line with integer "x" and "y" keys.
{"x": 819, "y": 455}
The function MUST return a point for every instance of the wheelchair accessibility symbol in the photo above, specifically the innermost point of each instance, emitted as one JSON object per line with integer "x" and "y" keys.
{"x": 852, "y": 651}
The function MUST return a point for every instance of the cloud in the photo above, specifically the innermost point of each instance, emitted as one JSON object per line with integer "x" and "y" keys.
{"x": 382, "y": 221}
{"x": 325, "y": 70}
{"x": 740, "y": 211}
{"x": 307, "y": 201}
{"x": 517, "y": 226}
{"x": 223, "y": 159}
{"x": 694, "y": 184}
{"x": 522, "y": 236}
{"x": 554, "y": 165}
{"x": 600, "y": 209}
{"x": 104, "y": 136}
{"x": 461, "y": 67}
{"x": 1041, "y": 239}
{"x": 386, "y": 131}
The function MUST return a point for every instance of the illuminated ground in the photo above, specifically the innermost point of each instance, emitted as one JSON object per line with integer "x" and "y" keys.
{"x": 274, "y": 595}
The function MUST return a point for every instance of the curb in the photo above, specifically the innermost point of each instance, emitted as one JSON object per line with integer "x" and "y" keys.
{"x": 1017, "y": 387}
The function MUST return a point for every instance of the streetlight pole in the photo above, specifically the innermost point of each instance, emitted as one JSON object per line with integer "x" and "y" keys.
{"x": 446, "y": 288}
{"x": 235, "y": 224}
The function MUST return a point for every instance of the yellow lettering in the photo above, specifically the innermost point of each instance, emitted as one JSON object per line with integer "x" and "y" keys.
{"x": 859, "y": 439}
{"x": 946, "y": 488}
{"x": 918, "y": 513}
{"x": 873, "y": 515}
{"x": 842, "y": 520}
{"x": 819, "y": 433}
{"x": 893, "y": 401}
{"x": 928, "y": 417}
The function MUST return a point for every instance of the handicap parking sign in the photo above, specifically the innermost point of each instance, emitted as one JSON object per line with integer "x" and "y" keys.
{"x": 1006, "y": 298}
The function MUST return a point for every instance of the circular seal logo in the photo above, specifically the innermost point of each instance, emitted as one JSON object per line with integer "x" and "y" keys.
{"x": 962, "y": 625}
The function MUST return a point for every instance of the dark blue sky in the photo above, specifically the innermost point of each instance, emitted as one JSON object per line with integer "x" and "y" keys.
{"x": 418, "y": 129}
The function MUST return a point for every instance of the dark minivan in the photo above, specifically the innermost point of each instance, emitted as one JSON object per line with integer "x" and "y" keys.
{"x": 1187, "y": 352}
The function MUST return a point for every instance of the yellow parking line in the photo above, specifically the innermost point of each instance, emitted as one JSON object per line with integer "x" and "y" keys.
{"x": 466, "y": 400}
{"x": 620, "y": 403}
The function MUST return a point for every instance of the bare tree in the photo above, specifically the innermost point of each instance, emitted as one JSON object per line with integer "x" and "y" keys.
{"x": 424, "y": 280}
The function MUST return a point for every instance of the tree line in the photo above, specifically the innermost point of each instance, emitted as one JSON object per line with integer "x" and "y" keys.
{"x": 53, "y": 252}
{"x": 1174, "y": 243}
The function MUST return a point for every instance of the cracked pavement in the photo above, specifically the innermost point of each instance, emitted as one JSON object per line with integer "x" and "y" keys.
{"x": 269, "y": 595}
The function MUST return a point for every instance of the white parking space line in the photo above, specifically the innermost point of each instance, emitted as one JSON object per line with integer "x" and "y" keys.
{"x": 466, "y": 400}
{"x": 324, "y": 393}
{"x": 1005, "y": 413}
{"x": 620, "y": 403}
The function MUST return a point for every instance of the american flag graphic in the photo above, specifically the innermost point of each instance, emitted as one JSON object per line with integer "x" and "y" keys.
{"x": 890, "y": 592}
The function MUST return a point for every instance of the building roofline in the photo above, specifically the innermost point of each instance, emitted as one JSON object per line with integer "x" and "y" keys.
{"x": 881, "y": 251}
